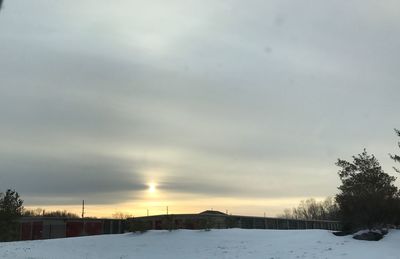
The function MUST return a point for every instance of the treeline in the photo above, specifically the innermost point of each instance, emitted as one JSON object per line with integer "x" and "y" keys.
{"x": 121, "y": 215}
{"x": 311, "y": 209}
{"x": 43, "y": 213}
{"x": 367, "y": 198}
{"x": 39, "y": 212}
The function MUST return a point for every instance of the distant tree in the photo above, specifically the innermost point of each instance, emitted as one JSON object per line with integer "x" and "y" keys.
{"x": 38, "y": 212}
{"x": 396, "y": 158}
{"x": 311, "y": 209}
{"x": 367, "y": 193}
{"x": 308, "y": 209}
{"x": 330, "y": 209}
{"x": 287, "y": 214}
{"x": 61, "y": 214}
{"x": 121, "y": 215}
{"x": 1, "y": 4}
{"x": 10, "y": 210}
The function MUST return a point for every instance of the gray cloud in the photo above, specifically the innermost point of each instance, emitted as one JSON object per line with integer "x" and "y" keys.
{"x": 257, "y": 94}
{"x": 53, "y": 179}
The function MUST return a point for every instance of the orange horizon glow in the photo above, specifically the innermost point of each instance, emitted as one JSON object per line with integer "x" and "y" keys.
{"x": 246, "y": 207}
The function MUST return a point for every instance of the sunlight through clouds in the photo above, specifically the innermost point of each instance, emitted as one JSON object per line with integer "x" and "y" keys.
{"x": 244, "y": 106}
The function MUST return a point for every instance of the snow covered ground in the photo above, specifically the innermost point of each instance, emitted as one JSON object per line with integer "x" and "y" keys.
{"x": 229, "y": 243}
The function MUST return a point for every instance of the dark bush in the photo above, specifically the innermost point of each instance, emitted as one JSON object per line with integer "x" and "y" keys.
{"x": 10, "y": 210}
{"x": 139, "y": 226}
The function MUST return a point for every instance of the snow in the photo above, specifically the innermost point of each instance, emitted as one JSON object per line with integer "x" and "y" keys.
{"x": 227, "y": 243}
{"x": 364, "y": 231}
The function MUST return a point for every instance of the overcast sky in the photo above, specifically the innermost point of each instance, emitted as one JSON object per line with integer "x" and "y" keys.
{"x": 238, "y": 105}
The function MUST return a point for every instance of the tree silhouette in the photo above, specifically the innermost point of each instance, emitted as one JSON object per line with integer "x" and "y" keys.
{"x": 367, "y": 195}
{"x": 311, "y": 209}
{"x": 396, "y": 158}
{"x": 10, "y": 210}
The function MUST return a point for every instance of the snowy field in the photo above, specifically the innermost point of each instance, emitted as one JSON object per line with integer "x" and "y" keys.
{"x": 230, "y": 243}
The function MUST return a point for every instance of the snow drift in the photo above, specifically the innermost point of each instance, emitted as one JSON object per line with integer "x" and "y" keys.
{"x": 227, "y": 243}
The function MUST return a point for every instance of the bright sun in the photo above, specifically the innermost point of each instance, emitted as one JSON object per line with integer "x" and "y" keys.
{"x": 152, "y": 187}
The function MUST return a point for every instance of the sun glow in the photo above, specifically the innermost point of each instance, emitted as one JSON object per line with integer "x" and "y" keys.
{"x": 152, "y": 188}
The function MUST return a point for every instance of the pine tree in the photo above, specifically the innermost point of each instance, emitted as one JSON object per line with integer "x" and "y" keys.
{"x": 10, "y": 210}
{"x": 396, "y": 158}
{"x": 367, "y": 193}
{"x": 396, "y": 206}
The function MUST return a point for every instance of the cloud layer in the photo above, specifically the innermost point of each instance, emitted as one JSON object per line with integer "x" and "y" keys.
{"x": 213, "y": 99}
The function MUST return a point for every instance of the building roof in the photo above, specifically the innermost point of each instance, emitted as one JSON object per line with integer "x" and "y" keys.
{"x": 212, "y": 212}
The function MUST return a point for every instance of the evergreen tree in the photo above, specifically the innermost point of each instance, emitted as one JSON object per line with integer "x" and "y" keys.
{"x": 396, "y": 158}
{"x": 10, "y": 210}
{"x": 367, "y": 193}
{"x": 396, "y": 206}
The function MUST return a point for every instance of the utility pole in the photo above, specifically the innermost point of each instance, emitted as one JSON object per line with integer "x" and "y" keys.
{"x": 83, "y": 208}
{"x": 147, "y": 212}
{"x": 167, "y": 210}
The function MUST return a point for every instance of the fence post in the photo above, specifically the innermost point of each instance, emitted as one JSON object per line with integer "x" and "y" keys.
{"x": 31, "y": 234}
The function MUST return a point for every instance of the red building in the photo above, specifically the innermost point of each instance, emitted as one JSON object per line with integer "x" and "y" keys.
{"x": 32, "y": 228}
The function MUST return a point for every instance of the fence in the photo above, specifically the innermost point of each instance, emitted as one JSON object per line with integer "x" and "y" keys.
{"x": 205, "y": 221}
{"x": 32, "y": 228}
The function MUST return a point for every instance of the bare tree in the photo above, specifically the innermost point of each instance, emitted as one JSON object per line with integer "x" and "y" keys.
{"x": 313, "y": 210}
{"x": 287, "y": 214}
{"x": 39, "y": 212}
{"x": 121, "y": 215}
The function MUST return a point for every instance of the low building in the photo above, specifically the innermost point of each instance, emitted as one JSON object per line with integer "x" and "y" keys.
{"x": 33, "y": 228}
{"x": 215, "y": 219}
